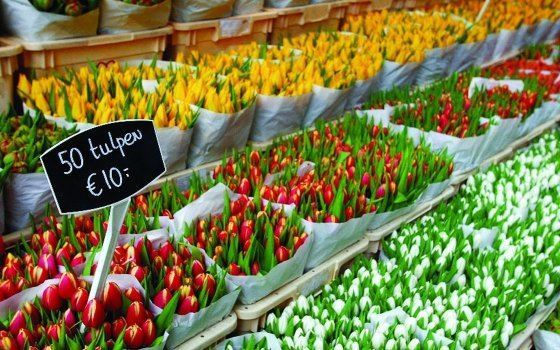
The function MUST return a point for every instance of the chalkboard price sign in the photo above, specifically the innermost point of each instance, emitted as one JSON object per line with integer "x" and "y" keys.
{"x": 103, "y": 165}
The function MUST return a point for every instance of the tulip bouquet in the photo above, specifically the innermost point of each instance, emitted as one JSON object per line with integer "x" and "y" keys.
{"x": 69, "y": 8}
{"x": 462, "y": 276}
{"x": 257, "y": 51}
{"x": 24, "y": 139}
{"x": 249, "y": 237}
{"x": 405, "y": 36}
{"x": 502, "y": 15}
{"x": 50, "y": 317}
{"x": 99, "y": 95}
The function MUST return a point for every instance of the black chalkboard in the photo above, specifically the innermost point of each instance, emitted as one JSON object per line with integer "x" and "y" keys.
{"x": 103, "y": 165}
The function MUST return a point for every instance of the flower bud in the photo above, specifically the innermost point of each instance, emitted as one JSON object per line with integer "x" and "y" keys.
{"x": 94, "y": 314}
{"x": 51, "y": 298}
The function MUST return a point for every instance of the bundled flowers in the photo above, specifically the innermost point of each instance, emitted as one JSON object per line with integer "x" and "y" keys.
{"x": 249, "y": 237}
{"x": 468, "y": 275}
{"x": 68, "y": 8}
{"x": 24, "y": 139}
{"x": 405, "y": 36}
{"x": 119, "y": 319}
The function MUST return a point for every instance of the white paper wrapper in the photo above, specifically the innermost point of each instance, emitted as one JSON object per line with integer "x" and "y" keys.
{"x": 394, "y": 74}
{"x": 435, "y": 65}
{"x": 237, "y": 342}
{"x": 325, "y": 104}
{"x": 523, "y": 37}
{"x": 22, "y": 19}
{"x": 547, "y": 112}
{"x": 542, "y": 30}
{"x": 187, "y": 326}
{"x": 466, "y": 56}
{"x": 285, "y": 3}
{"x": 486, "y": 54}
{"x": 253, "y": 288}
{"x": 26, "y": 194}
{"x": 331, "y": 238}
{"x": 554, "y": 31}
{"x": 504, "y": 44}
{"x": 278, "y": 115}
{"x": 245, "y": 7}
{"x": 200, "y": 10}
{"x": 217, "y": 133}
{"x": 360, "y": 92}
{"x": 478, "y": 83}
{"x": 545, "y": 340}
{"x": 119, "y": 17}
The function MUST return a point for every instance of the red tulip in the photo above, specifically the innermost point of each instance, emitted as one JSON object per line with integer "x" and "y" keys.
{"x": 53, "y": 332}
{"x": 7, "y": 343}
{"x": 38, "y": 275}
{"x": 67, "y": 285}
{"x": 380, "y": 193}
{"x": 112, "y": 297}
{"x": 79, "y": 300}
{"x": 136, "y": 314}
{"x": 203, "y": 279}
{"x": 134, "y": 295}
{"x": 255, "y": 268}
{"x": 188, "y": 305}
{"x": 118, "y": 326}
{"x": 282, "y": 254}
{"x": 31, "y": 311}
{"x": 162, "y": 298}
{"x": 17, "y": 323}
{"x": 150, "y": 332}
{"x": 51, "y": 298}
{"x": 94, "y": 314}
{"x": 172, "y": 280}
{"x": 24, "y": 338}
{"x": 134, "y": 337}
{"x": 70, "y": 319}
{"x": 7, "y": 288}
{"x": 48, "y": 262}
{"x": 244, "y": 187}
{"x": 234, "y": 269}
{"x": 328, "y": 195}
{"x": 10, "y": 271}
{"x": 166, "y": 249}
{"x": 107, "y": 330}
{"x": 197, "y": 268}
{"x": 78, "y": 260}
{"x": 137, "y": 272}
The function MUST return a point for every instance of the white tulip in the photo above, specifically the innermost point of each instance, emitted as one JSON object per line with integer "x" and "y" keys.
{"x": 338, "y": 305}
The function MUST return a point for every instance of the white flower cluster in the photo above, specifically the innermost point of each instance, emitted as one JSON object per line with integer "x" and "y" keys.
{"x": 467, "y": 276}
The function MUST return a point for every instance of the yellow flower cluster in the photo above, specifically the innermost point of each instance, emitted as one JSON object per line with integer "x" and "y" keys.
{"x": 101, "y": 95}
{"x": 405, "y": 36}
{"x": 508, "y": 15}
{"x": 264, "y": 52}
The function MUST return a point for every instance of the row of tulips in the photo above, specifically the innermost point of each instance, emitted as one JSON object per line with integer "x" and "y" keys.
{"x": 469, "y": 275}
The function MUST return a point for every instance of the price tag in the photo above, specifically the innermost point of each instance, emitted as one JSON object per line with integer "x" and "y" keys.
{"x": 103, "y": 165}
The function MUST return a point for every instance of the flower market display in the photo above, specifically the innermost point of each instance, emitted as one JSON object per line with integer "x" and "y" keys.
{"x": 468, "y": 275}
{"x": 388, "y": 182}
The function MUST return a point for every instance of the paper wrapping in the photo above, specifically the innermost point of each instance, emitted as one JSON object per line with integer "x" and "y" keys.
{"x": 331, "y": 238}
{"x": 217, "y": 133}
{"x": 554, "y": 31}
{"x": 545, "y": 113}
{"x": 523, "y": 36}
{"x": 22, "y": 19}
{"x": 478, "y": 83}
{"x": 237, "y": 342}
{"x": 253, "y": 288}
{"x": 543, "y": 28}
{"x": 326, "y": 104}
{"x": 26, "y": 194}
{"x": 435, "y": 65}
{"x": 117, "y": 16}
{"x": 466, "y": 56}
{"x": 187, "y": 326}
{"x": 278, "y": 115}
{"x": 394, "y": 74}
{"x": 200, "y": 10}
{"x": 486, "y": 55}
{"x": 504, "y": 44}
{"x": 545, "y": 340}
{"x": 360, "y": 92}
{"x": 245, "y": 7}
{"x": 285, "y": 3}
